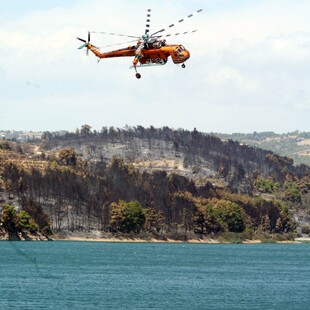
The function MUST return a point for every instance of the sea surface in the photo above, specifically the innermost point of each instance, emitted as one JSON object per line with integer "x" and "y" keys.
{"x": 97, "y": 275}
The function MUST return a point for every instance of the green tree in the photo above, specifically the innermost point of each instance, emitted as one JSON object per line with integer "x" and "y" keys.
{"x": 13, "y": 221}
{"x": 292, "y": 192}
{"x": 9, "y": 218}
{"x": 25, "y": 221}
{"x": 213, "y": 220}
{"x": 127, "y": 216}
{"x": 134, "y": 217}
{"x": 231, "y": 214}
{"x": 266, "y": 185}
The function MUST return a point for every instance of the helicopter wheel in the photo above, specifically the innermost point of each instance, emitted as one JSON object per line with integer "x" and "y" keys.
{"x": 138, "y": 75}
{"x": 183, "y": 66}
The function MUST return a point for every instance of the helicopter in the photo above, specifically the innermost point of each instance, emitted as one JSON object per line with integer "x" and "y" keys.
{"x": 149, "y": 49}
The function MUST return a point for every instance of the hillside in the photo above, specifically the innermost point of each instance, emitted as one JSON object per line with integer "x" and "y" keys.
{"x": 192, "y": 154}
{"x": 295, "y": 145}
{"x": 179, "y": 184}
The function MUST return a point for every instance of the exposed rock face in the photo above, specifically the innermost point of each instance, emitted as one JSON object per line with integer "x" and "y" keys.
{"x": 22, "y": 236}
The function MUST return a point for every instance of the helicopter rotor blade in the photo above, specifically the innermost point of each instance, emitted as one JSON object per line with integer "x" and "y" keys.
{"x": 88, "y": 40}
{"x": 148, "y": 20}
{"x": 82, "y": 46}
{"x": 175, "y": 34}
{"x": 117, "y": 44}
{"x": 115, "y": 34}
{"x": 179, "y": 21}
{"x": 81, "y": 40}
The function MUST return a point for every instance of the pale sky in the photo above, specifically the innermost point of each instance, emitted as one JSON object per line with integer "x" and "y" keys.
{"x": 249, "y": 68}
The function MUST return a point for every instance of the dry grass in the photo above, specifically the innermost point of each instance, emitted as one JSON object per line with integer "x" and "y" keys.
{"x": 25, "y": 161}
{"x": 304, "y": 142}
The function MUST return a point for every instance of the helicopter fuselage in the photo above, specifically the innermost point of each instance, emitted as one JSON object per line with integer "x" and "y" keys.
{"x": 156, "y": 53}
{"x": 159, "y": 54}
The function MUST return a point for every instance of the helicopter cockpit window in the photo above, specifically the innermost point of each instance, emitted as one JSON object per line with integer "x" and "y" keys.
{"x": 180, "y": 49}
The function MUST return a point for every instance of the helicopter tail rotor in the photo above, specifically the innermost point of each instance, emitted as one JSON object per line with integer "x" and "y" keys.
{"x": 86, "y": 43}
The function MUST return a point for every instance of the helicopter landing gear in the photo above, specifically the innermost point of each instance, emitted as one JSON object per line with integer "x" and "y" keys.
{"x": 183, "y": 66}
{"x": 138, "y": 75}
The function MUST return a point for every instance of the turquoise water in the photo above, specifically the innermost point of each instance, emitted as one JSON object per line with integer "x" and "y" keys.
{"x": 94, "y": 275}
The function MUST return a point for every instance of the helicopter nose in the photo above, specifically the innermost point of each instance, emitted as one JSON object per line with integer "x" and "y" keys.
{"x": 186, "y": 55}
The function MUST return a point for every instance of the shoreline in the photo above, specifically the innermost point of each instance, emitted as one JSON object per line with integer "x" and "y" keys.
{"x": 191, "y": 241}
{"x": 138, "y": 240}
{"x": 96, "y": 236}
{"x": 135, "y": 240}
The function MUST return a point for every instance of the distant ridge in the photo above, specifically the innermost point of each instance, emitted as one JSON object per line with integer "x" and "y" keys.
{"x": 295, "y": 145}
{"x": 190, "y": 153}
